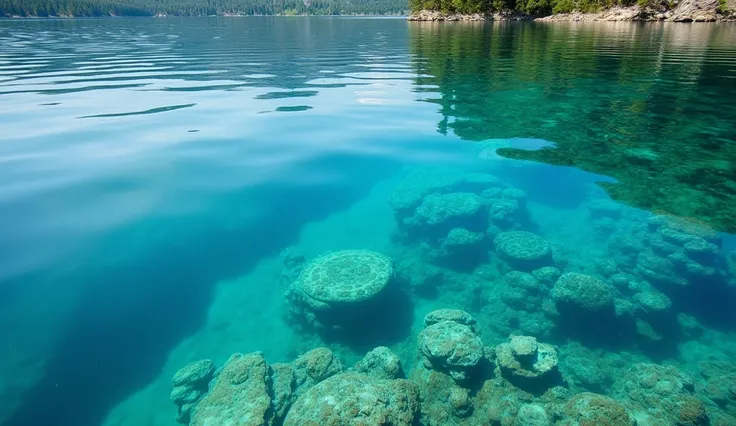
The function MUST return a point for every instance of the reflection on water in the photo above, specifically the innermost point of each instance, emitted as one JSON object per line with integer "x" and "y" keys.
{"x": 153, "y": 172}
{"x": 642, "y": 104}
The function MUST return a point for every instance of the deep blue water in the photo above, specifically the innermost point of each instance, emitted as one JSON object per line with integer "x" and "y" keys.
{"x": 145, "y": 161}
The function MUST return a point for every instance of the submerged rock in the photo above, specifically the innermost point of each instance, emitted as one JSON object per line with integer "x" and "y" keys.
{"x": 240, "y": 395}
{"x": 590, "y": 409}
{"x": 523, "y": 251}
{"x": 580, "y": 292}
{"x": 337, "y": 291}
{"x": 190, "y": 384}
{"x": 527, "y": 363}
{"x": 353, "y": 399}
{"x": 532, "y": 415}
{"x": 454, "y": 315}
{"x": 661, "y": 395}
{"x": 381, "y": 363}
{"x": 344, "y": 277}
{"x": 452, "y": 347}
{"x": 440, "y": 213}
{"x": 314, "y": 367}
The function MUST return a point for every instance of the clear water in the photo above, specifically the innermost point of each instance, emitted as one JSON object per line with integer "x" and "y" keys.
{"x": 152, "y": 170}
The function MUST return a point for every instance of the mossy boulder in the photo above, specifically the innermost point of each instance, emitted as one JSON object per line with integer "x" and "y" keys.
{"x": 315, "y": 366}
{"x": 190, "y": 384}
{"x": 353, "y": 399}
{"x": 590, "y": 409}
{"x": 532, "y": 415}
{"x": 454, "y": 315}
{"x": 440, "y": 213}
{"x": 528, "y": 364}
{"x": 451, "y": 347}
{"x": 337, "y": 291}
{"x": 381, "y": 363}
{"x": 239, "y": 397}
{"x": 661, "y": 394}
{"x": 345, "y": 277}
{"x": 580, "y": 292}
{"x": 523, "y": 251}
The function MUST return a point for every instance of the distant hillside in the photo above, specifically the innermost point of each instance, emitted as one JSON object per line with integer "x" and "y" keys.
{"x": 45, "y": 8}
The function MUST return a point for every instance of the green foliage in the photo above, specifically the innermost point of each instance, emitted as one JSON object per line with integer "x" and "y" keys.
{"x": 530, "y": 7}
{"x": 563, "y": 6}
{"x": 723, "y": 6}
{"x": 198, "y": 7}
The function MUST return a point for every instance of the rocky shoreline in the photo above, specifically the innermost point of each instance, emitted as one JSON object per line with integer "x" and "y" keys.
{"x": 685, "y": 11}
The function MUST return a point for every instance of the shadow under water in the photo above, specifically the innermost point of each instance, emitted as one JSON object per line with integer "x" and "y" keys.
{"x": 134, "y": 311}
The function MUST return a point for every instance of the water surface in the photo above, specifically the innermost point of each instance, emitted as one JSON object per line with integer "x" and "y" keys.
{"x": 153, "y": 169}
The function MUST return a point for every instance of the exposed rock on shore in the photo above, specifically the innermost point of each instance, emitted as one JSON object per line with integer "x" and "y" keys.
{"x": 684, "y": 11}
{"x": 435, "y": 16}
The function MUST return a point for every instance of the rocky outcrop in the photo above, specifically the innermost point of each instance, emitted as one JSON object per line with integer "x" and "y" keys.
{"x": 435, "y": 15}
{"x": 695, "y": 11}
{"x": 190, "y": 384}
{"x": 683, "y": 11}
{"x": 614, "y": 14}
{"x": 239, "y": 397}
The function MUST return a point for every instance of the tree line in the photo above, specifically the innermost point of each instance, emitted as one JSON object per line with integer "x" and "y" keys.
{"x": 529, "y": 7}
{"x": 88, "y": 8}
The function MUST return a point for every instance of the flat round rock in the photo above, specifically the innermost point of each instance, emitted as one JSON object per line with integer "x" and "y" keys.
{"x": 346, "y": 276}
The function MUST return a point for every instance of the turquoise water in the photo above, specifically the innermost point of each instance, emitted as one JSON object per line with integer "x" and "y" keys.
{"x": 153, "y": 171}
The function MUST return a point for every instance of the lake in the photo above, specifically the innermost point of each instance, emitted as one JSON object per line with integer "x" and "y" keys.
{"x": 163, "y": 183}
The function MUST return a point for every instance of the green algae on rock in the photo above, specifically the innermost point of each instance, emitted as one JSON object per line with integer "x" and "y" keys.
{"x": 381, "y": 363}
{"x": 528, "y": 364}
{"x": 588, "y": 409}
{"x": 347, "y": 276}
{"x": 582, "y": 292}
{"x": 451, "y": 346}
{"x": 239, "y": 396}
{"x": 337, "y": 291}
{"x": 524, "y": 251}
{"x": 354, "y": 399}
{"x": 190, "y": 384}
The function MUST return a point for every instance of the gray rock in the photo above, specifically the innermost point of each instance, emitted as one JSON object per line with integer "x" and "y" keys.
{"x": 522, "y": 250}
{"x": 451, "y": 346}
{"x": 532, "y": 415}
{"x": 593, "y": 409}
{"x": 283, "y": 389}
{"x": 381, "y": 363}
{"x": 239, "y": 396}
{"x": 455, "y": 315}
{"x": 352, "y": 399}
{"x": 185, "y": 395}
{"x": 582, "y": 292}
{"x": 528, "y": 364}
{"x": 313, "y": 367}
{"x": 547, "y": 275}
{"x": 196, "y": 372}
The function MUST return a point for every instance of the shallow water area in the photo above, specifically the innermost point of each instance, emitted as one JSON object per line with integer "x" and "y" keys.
{"x": 165, "y": 181}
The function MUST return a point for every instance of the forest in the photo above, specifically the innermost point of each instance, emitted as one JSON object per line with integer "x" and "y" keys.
{"x": 88, "y": 8}
{"x": 528, "y": 7}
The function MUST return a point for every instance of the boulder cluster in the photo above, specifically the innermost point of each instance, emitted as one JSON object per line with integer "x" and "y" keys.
{"x": 573, "y": 332}
{"x": 457, "y": 380}
{"x": 457, "y": 215}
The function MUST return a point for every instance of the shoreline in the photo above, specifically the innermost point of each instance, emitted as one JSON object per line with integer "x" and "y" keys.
{"x": 687, "y": 11}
